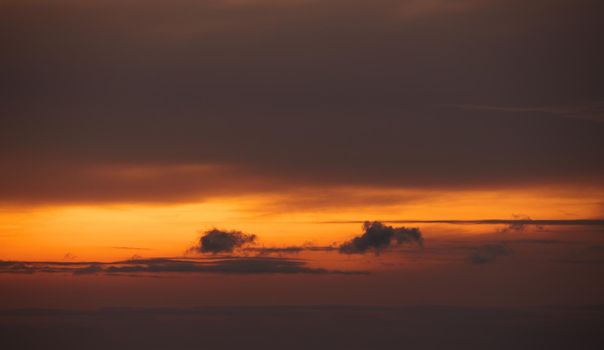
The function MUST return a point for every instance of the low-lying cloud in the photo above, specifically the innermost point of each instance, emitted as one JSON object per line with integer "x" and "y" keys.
{"x": 232, "y": 265}
{"x": 377, "y": 237}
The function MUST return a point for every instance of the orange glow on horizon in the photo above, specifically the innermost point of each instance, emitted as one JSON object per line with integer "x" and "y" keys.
{"x": 118, "y": 231}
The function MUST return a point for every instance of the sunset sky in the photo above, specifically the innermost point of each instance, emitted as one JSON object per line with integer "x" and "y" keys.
{"x": 468, "y": 134}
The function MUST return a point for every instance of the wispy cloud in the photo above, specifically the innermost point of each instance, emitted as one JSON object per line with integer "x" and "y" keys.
{"x": 525, "y": 221}
{"x": 224, "y": 265}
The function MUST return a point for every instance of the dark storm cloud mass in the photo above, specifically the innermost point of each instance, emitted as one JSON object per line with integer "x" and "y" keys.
{"x": 225, "y": 265}
{"x": 271, "y": 94}
{"x": 378, "y": 237}
{"x": 219, "y": 241}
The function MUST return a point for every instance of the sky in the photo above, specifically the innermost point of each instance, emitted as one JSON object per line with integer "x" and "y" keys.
{"x": 287, "y": 153}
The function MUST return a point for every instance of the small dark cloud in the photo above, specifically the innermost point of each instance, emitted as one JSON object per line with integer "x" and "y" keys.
{"x": 219, "y": 241}
{"x": 488, "y": 253}
{"x": 378, "y": 237}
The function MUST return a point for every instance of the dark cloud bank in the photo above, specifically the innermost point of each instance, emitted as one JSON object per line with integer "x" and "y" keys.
{"x": 245, "y": 86}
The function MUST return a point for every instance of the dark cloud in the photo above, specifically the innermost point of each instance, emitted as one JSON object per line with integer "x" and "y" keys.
{"x": 378, "y": 237}
{"x": 488, "y": 253}
{"x": 132, "y": 267}
{"x": 218, "y": 241}
{"x": 241, "y": 87}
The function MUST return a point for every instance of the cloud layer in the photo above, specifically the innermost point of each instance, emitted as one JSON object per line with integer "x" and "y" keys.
{"x": 225, "y": 265}
{"x": 223, "y": 96}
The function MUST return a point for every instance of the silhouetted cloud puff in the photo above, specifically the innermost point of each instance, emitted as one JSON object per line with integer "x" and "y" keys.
{"x": 218, "y": 241}
{"x": 378, "y": 236}
{"x": 488, "y": 253}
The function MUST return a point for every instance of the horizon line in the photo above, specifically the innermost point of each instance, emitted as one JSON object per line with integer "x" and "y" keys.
{"x": 544, "y": 222}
